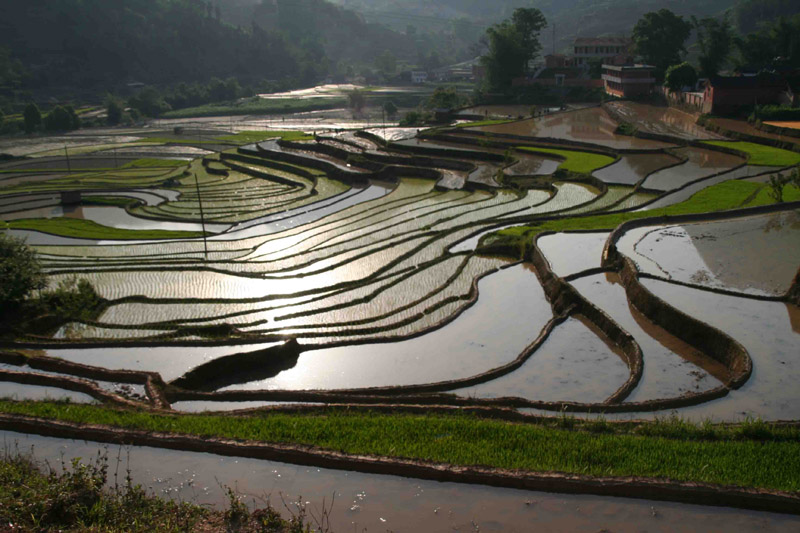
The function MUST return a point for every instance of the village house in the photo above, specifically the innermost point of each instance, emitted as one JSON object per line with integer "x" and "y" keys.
{"x": 629, "y": 81}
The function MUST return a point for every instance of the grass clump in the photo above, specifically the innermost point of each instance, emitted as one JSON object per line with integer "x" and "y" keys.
{"x": 766, "y": 459}
{"x": 574, "y": 160}
{"x": 78, "y": 497}
{"x": 88, "y": 229}
{"x": 761, "y": 154}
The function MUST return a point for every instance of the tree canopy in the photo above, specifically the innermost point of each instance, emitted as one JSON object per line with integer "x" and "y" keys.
{"x": 715, "y": 40}
{"x": 680, "y": 76}
{"x": 20, "y": 272}
{"x": 659, "y": 38}
{"x": 512, "y": 44}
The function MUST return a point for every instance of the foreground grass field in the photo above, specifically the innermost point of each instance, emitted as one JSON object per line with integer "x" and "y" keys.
{"x": 760, "y": 154}
{"x": 751, "y": 455}
{"x": 574, "y": 160}
{"x": 87, "y": 229}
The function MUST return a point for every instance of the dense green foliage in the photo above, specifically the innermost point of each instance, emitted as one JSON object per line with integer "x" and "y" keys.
{"x": 757, "y": 456}
{"x": 715, "y": 40}
{"x": 774, "y": 112}
{"x": 62, "y": 119}
{"x": 750, "y": 15}
{"x": 659, "y": 38}
{"x": 20, "y": 272}
{"x": 33, "y": 118}
{"x": 679, "y": 76}
{"x": 775, "y": 41}
{"x": 512, "y": 44}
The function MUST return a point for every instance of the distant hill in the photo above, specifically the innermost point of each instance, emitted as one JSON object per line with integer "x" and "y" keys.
{"x": 571, "y": 18}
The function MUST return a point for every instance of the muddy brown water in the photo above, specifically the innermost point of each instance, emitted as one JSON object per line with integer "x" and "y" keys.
{"x": 662, "y": 120}
{"x": 714, "y": 254}
{"x": 593, "y": 125}
{"x": 671, "y": 367}
{"x": 633, "y": 168}
{"x": 508, "y": 315}
{"x": 770, "y": 331}
{"x": 570, "y": 253}
{"x": 700, "y": 163}
{"x": 369, "y": 502}
{"x": 573, "y": 364}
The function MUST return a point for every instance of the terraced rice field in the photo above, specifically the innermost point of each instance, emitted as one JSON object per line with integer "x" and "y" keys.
{"x": 342, "y": 264}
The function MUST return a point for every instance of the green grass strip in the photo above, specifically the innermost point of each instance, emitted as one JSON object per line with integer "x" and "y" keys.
{"x": 249, "y": 137}
{"x": 88, "y": 229}
{"x": 723, "y": 196}
{"x": 760, "y": 154}
{"x": 466, "y": 440}
{"x": 480, "y": 123}
{"x": 574, "y": 160}
{"x": 156, "y": 163}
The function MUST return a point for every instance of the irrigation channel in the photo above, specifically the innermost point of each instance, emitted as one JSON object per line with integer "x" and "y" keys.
{"x": 366, "y": 267}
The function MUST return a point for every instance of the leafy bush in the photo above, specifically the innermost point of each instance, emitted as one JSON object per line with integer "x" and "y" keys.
{"x": 20, "y": 272}
{"x": 73, "y": 299}
{"x": 775, "y": 112}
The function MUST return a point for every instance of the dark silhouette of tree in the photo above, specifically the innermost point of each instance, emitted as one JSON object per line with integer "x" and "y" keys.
{"x": 20, "y": 272}
{"x": 62, "y": 119}
{"x": 33, "y": 118}
{"x": 679, "y": 76}
{"x": 659, "y": 38}
{"x": 715, "y": 40}
{"x": 114, "y": 110}
{"x": 512, "y": 44}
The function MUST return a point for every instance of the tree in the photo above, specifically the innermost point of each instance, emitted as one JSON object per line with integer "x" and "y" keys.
{"x": 680, "y": 76}
{"x": 512, "y": 44}
{"x": 390, "y": 108}
{"x": 659, "y": 38}
{"x": 443, "y": 98}
{"x": 356, "y": 99}
{"x": 62, "y": 119}
{"x": 20, "y": 272}
{"x": 386, "y": 63}
{"x": 715, "y": 40}
{"x": 114, "y": 110}
{"x": 33, "y": 118}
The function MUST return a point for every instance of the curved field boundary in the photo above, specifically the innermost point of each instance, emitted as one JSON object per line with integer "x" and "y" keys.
{"x": 709, "y": 340}
{"x": 708, "y": 123}
{"x": 632, "y": 487}
{"x": 563, "y": 297}
{"x": 66, "y": 383}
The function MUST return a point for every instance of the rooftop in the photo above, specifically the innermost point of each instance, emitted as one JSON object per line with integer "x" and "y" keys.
{"x": 602, "y": 41}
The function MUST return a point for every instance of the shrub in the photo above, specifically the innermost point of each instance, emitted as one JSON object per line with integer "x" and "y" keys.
{"x": 20, "y": 272}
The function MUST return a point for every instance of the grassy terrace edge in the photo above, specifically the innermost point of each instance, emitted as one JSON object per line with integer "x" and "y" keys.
{"x": 88, "y": 229}
{"x": 721, "y": 197}
{"x": 751, "y": 455}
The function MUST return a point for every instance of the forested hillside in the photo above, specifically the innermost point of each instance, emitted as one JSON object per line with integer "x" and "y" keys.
{"x": 90, "y": 43}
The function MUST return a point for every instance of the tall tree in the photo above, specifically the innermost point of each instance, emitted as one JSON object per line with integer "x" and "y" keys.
{"x": 715, "y": 40}
{"x": 680, "y": 76}
{"x": 512, "y": 44}
{"x": 33, "y": 118}
{"x": 659, "y": 38}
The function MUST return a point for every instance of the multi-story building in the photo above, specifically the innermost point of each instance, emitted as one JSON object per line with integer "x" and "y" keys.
{"x": 610, "y": 50}
{"x": 629, "y": 81}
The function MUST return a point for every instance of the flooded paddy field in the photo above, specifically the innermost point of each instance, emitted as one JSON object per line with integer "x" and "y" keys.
{"x": 338, "y": 265}
{"x": 661, "y": 120}
{"x": 757, "y": 255}
{"x": 593, "y": 125}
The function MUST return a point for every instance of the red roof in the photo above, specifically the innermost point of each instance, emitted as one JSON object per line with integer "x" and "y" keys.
{"x": 602, "y": 41}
